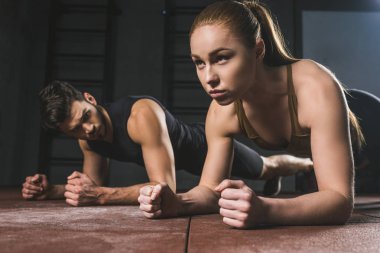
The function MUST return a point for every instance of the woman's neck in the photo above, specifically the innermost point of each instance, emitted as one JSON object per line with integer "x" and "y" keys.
{"x": 270, "y": 83}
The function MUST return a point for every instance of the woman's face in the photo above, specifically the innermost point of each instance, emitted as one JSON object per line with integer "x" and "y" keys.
{"x": 225, "y": 66}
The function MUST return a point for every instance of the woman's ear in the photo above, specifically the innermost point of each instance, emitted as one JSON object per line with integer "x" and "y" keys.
{"x": 260, "y": 49}
{"x": 89, "y": 98}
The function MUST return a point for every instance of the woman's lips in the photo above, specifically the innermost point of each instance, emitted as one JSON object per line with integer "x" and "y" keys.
{"x": 217, "y": 93}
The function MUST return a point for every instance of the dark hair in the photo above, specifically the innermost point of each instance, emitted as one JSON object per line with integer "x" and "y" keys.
{"x": 249, "y": 20}
{"x": 55, "y": 104}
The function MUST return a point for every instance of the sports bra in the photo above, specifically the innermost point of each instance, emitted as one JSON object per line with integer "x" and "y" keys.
{"x": 299, "y": 144}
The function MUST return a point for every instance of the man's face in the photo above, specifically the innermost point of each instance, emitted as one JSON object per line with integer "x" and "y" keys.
{"x": 85, "y": 122}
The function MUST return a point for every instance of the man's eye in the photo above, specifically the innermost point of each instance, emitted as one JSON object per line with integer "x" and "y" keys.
{"x": 76, "y": 129}
{"x": 86, "y": 116}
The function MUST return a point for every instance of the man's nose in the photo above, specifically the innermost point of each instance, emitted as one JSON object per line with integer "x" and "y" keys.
{"x": 88, "y": 128}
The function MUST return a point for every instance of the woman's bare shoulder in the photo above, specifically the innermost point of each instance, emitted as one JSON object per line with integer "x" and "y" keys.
{"x": 312, "y": 72}
{"x": 310, "y": 77}
{"x": 316, "y": 87}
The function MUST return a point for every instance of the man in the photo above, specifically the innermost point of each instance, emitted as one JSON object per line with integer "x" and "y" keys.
{"x": 139, "y": 130}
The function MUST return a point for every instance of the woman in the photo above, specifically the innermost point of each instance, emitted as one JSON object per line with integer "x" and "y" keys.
{"x": 280, "y": 103}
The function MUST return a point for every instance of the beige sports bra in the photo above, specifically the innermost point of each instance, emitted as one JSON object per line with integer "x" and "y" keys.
{"x": 299, "y": 144}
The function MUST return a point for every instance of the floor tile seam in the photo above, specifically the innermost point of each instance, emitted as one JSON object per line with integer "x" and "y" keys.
{"x": 369, "y": 215}
{"x": 188, "y": 231}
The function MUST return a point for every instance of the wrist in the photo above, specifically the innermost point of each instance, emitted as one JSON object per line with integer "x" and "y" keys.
{"x": 199, "y": 200}
{"x": 264, "y": 212}
{"x": 182, "y": 201}
{"x": 102, "y": 194}
{"x": 55, "y": 192}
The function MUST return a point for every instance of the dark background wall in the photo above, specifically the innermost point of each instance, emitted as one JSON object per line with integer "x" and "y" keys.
{"x": 23, "y": 43}
{"x": 147, "y": 53}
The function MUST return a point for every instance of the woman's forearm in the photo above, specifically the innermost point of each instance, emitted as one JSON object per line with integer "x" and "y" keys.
{"x": 318, "y": 208}
{"x": 199, "y": 200}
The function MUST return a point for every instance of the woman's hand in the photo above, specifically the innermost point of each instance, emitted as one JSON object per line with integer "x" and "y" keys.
{"x": 239, "y": 205}
{"x": 159, "y": 201}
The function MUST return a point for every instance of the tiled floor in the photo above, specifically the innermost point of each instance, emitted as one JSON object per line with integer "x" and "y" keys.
{"x": 52, "y": 226}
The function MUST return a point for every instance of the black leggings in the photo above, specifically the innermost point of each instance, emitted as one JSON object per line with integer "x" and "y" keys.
{"x": 247, "y": 163}
{"x": 366, "y": 107}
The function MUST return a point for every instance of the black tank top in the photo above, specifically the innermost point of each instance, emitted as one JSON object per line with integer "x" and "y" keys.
{"x": 188, "y": 140}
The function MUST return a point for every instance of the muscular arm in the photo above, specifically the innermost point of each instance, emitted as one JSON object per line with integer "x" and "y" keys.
{"x": 119, "y": 195}
{"x": 88, "y": 189}
{"x": 160, "y": 201}
{"x": 94, "y": 165}
{"x": 326, "y": 114}
{"x": 147, "y": 127}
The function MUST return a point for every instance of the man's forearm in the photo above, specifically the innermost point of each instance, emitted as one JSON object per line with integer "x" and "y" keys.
{"x": 119, "y": 195}
{"x": 55, "y": 192}
{"x": 199, "y": 200}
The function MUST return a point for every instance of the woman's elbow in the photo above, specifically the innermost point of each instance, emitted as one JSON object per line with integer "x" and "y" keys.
{"x": 344, "y": 211}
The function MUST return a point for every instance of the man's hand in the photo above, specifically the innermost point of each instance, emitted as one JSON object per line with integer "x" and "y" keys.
{"x": 81, "y": 190}
{"x": 239, "y": 205}
{"x": 159, "y": 201}
{"x": 35, "y": 187}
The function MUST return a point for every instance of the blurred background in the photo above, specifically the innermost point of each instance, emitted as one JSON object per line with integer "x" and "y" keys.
{"x": 114, "y": 48}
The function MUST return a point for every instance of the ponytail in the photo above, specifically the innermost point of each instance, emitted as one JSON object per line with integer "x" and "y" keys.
{"x": 249, "y": 20}
{"x": 357, "y": 137}
{"x": 276, "y": 51}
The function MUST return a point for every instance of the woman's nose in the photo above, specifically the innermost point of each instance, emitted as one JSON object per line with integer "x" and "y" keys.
{"x": 212, "y": 78}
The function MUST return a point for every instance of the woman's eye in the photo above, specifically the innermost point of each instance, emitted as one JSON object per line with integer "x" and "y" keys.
{"x": 198, "y": 63}
{"x": 222, "y": 58}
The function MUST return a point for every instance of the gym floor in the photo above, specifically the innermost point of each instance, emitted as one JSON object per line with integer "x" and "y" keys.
{"x": 53, "y": 226}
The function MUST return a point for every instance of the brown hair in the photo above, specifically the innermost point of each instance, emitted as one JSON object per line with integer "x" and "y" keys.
{"x": 55, "y": 104}
{"x": 357, "y": 137}
{"x": 249, "y": 20}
